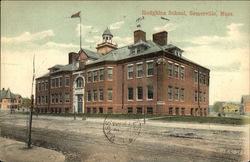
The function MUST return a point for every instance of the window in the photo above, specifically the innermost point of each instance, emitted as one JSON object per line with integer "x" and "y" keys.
{"x": 139, "y": 70}
{"x": 60, "y": 81}
{"x": 176, "y": 93}
{"x": 110, "y": 95}
{"x": 42, "y": 86}
{"x": 39, "y": 99}
{"x": 130, "y": 94}
{"x": 182, "y": 94}
{"x": 204, "y": 97}
{"x": 139, "y": 110}
{"x": 192, "y": 112}
{"x": 200, "y": 96}
{"x": 66, "y": 97}
{"x": 46, "y": 99}
{"x": 177, "y": 111}
{"x": 95, "y": 76}
{"x": 150, "y": 68}
{"x": 89, "y": 77}
{"x": 182, "y": 73}
{"x": 150, "y": 92}
{"x": 110, "y": 110}
{"x": 200, "y": 77}
{"x": 60, "y": 98}
{"x": 53, "y": 83}
{"x": 170, "y": 69}
{"x": 139, "y": 93}
{"x": 79, "y": 82}
{"x": 130, "y": 110}
{"x": 95, "y": 95}
{"x": 183, "y": 111}
{"x": 196, "y": 96}
{"x": 66, "y": 81}
{"x": 176, "y": 70}
{"x": 56, "y": 82}
{"x": 88, "y": 110}
{"x": 101, "y": 74}
{"x": 170, "y": 94}
{"x": 110, "y": 73}
{"x": 100, "y": 94}
{"x": 149, "y": 110}
{"x": 56, "y": 98}
{"x": 204, "y": 79}
{"x": 88, "y": 95}
{"x": 170, "y": 111}
{"x": 100, "y": 110}
{"x": 195, "y": 76}
{"x": 130, "y": 71}
{"x": 46, "y": 85}
{"x": 205, "y": 111}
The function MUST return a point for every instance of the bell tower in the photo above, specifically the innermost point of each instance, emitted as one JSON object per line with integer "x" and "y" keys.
{"x": 106, "y": 45}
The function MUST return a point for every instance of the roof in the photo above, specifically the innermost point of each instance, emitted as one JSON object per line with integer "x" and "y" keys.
{"x": 124, "y": 52}
{"x": 8, "y": 94}
{"x": 245, "y": 99}
{"x": 152, "y": 47}
{"x": 57, "y": 66}
{"x": 107, "y": 32}
{"x": 91, "y": 54}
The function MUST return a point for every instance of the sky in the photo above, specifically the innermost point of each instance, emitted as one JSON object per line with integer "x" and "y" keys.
{"x": 216, "y": 41}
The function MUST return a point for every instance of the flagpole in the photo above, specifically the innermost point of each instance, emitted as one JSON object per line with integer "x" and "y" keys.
{"x": 80, "y": 33}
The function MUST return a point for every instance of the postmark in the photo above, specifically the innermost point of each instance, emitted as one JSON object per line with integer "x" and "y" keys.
{"x": 122, "y": 132}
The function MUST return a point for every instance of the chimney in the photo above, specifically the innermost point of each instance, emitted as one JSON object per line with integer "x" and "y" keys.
{"x": 139, "y": 35}
{"x": 72, "y": 57}
{"x": 161, "y": 38}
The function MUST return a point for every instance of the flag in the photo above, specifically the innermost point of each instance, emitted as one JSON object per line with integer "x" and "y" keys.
{"x": 76, "y": 15}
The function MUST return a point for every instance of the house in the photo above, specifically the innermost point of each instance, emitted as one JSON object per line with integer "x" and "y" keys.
{"x": 245, "y": 101}
{"x": 9, "y": 100}
{"x": 148, "y": 76}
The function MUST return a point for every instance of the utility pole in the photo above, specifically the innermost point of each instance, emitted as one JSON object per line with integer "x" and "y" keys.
{"x": 30, "y": 121}
{"x": 31, "y": 106}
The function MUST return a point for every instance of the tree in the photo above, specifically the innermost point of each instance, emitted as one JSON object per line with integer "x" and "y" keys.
{"x": 26, "y": 102}
{"x": 218, "y": 107}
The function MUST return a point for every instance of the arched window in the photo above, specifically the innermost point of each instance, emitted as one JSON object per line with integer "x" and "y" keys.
{"x": 79, "y": 82}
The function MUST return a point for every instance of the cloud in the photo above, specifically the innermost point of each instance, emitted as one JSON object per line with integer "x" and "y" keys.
{"x": 60, "y": 45}
{"x": 20, "y": 67}
{"x": 27, "y": 36}
{"x": 122, "y": 41}
{"x": 86, "y": 29}
{"x": 167, "y": 27}
{"x": 228, "y": 59}
{"x": 116, "y": 25}
{"x": 233, "y": 35}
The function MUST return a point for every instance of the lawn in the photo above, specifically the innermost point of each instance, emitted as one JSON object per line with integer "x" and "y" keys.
{"x": 205, "y": 119}
{"x": 195, "y": 119}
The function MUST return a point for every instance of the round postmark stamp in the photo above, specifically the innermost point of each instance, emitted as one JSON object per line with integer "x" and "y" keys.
{"x": 122, "y": 132}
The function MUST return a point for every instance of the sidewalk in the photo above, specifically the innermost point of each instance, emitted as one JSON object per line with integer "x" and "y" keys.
{"x": 15, "y": 151}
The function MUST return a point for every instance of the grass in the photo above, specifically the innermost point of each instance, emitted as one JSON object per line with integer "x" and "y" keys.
{"x": 205, "y": 119}
{"x": 195, "y": 119}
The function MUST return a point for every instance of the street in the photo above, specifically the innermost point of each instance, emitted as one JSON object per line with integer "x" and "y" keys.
{"x": 85, "y": 140}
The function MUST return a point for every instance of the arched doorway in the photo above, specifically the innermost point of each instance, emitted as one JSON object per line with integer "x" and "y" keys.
{"x": 78, "y": 98}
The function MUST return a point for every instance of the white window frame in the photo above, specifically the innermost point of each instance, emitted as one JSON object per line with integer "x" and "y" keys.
{"x": 139, "y": 63}
{"x": 108, "y": 73}
{"x": 150, "y": 61}
{"x": 137, "y": 94}
{"x": 130, "y": 65}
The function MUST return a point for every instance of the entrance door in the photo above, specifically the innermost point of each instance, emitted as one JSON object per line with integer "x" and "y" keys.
{"x": 79, "y": 103}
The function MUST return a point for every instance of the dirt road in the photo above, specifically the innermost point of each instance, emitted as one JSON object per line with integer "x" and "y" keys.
{"x": 84, "y": 140}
